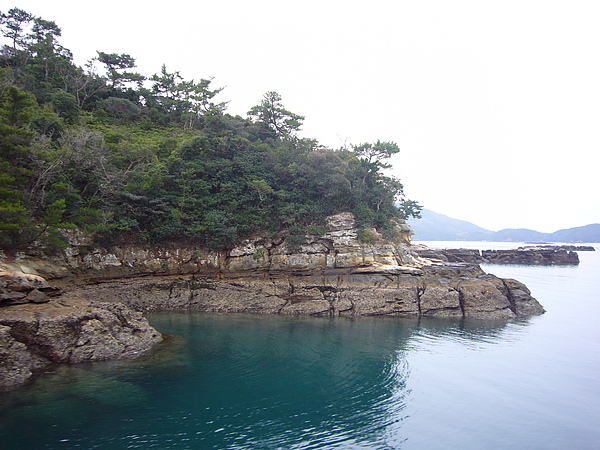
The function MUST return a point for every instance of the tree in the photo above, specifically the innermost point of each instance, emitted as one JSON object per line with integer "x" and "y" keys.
{"x": 34, "y": 43}
{"x": 410, "y": 208}
{"x": 50, "y": 61}
{"x": 185, "y": 101}
{"x": 71, "y": 155}
{"x": 116, "y": 65}
{"x": 15, "y": 23}
{"x": 16, "y": 108}
{"x": 271, "y": 112}
{"x": 377, "y": 152}
{"x": 85, "y": 84}
{"x": 262, "y": 188}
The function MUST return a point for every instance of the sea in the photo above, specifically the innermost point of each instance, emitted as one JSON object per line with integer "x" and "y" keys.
{"x": 294, "y": 382}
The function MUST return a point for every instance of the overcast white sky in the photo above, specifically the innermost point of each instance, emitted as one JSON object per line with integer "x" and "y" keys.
{"x": 494, "y": 104}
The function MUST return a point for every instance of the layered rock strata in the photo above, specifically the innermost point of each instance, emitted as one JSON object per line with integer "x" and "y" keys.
{"x": 462, "y": 291}
{"x": 337, "y": 247}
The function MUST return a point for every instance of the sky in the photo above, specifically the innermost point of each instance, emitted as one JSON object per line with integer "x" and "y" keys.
{"x": 494, "y": 105}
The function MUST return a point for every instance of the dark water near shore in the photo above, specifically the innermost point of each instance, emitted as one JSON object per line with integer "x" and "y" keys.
{"x": 265, "y": 382}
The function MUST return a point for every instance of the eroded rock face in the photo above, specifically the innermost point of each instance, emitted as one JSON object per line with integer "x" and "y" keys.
{"x": 461, "y": 291}
{"x": 338, "y": 247}
{"x": 68, "y": 330}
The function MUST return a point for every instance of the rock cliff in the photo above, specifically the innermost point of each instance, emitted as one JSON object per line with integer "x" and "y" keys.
{"x": 336, "y": 247}
{"x": 331, "y": 273}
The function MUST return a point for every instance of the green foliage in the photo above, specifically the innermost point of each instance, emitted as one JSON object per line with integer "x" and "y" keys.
{"x": 366, "y": 236}
{"x": 316, "y": 230}
{"x": 294, "y": 241}
{"x": 364, "y": 215}
{"x": 136, "y": 159}
{"x": 121, "y": 109}
{"x": 65, "y": 105}
{"x": 377, "y": 151}
{"x": 410, "y": 208}
{"x": 272, "y": 114}
{"x": 259, "y": 254}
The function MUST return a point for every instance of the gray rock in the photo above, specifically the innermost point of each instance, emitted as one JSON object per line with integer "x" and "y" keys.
{"x": 15, "y": 360}
{"x": 72, "y": 330}
{"x": 440, "y": 298}
{"x": 443, "y": 291}
{"x": 37, "y": 296}
{"x": 548, "y": 255}
{"x": 482, "y": 299}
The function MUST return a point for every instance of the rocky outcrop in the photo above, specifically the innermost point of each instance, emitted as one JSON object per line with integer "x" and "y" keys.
{"x": 329, "y": 273}
{"x": 531, "y": 256}
{"x": 338, "y": 246}
{"x": 436, "y": 291}
{"x": 547, "y": 255}
{"x": 68, "y": 330}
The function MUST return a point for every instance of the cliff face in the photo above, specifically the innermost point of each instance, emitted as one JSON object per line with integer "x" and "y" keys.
{"x": 332, "y": 273}
{"x": 338, "y": 248}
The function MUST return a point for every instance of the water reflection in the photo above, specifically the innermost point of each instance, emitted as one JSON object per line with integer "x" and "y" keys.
{"x": 236, "y": 381}
{"x": 473, "y": 334}
{"x": 295, "y": 381}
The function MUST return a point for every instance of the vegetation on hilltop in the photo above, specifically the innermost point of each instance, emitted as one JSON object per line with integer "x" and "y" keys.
{"x": 132, "y": 158}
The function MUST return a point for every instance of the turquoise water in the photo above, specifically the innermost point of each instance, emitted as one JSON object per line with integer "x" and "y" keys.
{"x": 269, "y": 382}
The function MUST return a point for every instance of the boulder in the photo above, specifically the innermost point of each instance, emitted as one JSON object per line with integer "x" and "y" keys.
{"x": 18, "y": 287}
{"x": 72, "y": 330}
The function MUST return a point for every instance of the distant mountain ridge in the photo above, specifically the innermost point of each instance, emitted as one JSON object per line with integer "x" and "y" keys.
{"x": 438, "y": 227}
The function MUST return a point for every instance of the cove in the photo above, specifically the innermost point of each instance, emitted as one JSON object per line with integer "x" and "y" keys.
{"x": 242, "y": 381}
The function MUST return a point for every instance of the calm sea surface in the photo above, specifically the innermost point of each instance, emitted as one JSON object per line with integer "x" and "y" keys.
{"x": 268, "y": 382}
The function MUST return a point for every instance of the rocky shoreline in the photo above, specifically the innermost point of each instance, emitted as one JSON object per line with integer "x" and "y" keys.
{"x": 547, "y": 255}
{"x": 86, "y": 304}
{"x": 457, "y": 291}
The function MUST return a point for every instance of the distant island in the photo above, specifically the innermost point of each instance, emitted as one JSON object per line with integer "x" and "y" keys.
{"x": 433, "y": 226}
